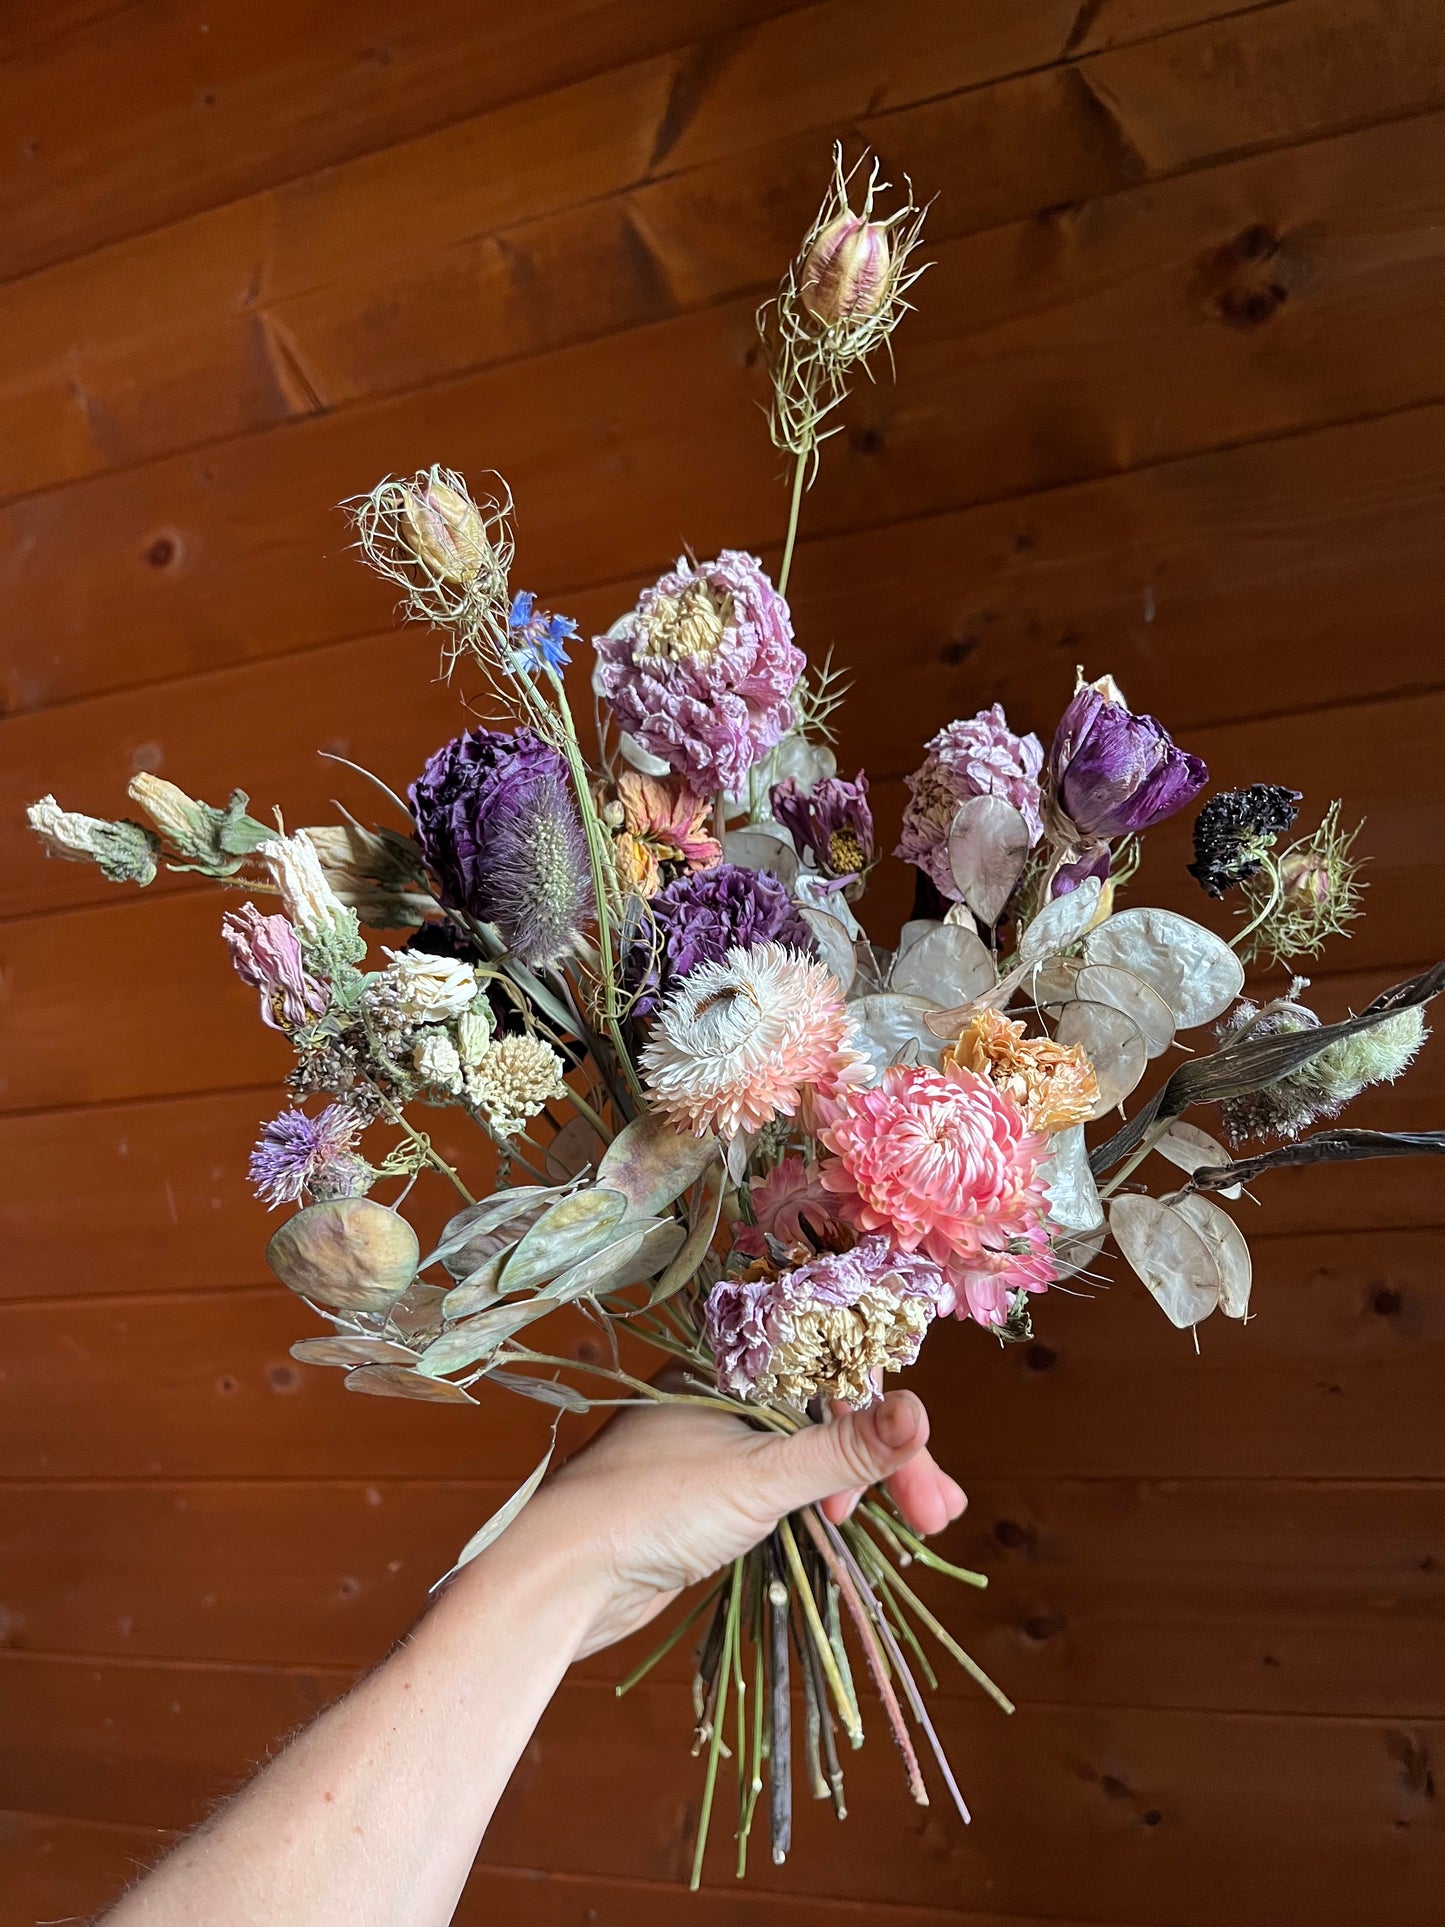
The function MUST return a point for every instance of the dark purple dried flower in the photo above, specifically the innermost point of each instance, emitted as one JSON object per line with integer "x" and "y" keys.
{"x": 267, "y": 955}
{"x": 499, "y": 827}
{"x": 831, "y": 823}
{"x": 298, "y": 1153}
{"x": 697, "y": 919}
{"x": 1112, "y": 773}
{"x": 1235, "y": 829}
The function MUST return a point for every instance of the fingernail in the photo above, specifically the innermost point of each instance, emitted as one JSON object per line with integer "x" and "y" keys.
{"x": 898, "y": 1420}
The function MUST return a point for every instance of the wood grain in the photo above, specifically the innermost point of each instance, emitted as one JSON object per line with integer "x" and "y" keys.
{"x": 1266, "y": 1596}
{"x": 1337, "y": 1789}
{"x": 464, "y": 248}
{"x": 1254, "y": 302}
{"x": 1331, "y": 1378}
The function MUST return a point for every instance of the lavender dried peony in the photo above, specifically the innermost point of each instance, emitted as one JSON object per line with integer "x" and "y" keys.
{"x": 499, "y": 827}
{"x": 697, "y": 919}
{"x": 702, "y": 672}
{"x": 828, "y": 1328}
{"x": 980, "y": 757}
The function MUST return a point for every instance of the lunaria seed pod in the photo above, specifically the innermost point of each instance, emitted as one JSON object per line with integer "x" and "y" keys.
{"x": 349, "y": 1253}
{"x": 444, "y": 529}
{"x": 844, "y": 275}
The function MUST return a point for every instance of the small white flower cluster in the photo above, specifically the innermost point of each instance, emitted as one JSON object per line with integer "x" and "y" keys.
{"x": 515, "y": 1080}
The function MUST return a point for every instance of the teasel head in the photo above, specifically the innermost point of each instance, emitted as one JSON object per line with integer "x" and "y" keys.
{"x": 451, "y": 554}
{"x": 840, "y": 300}
{"x": 1308, "y": 894}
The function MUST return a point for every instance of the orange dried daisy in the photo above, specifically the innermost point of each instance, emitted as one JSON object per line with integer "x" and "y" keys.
{"x": 1053, "y": 1084}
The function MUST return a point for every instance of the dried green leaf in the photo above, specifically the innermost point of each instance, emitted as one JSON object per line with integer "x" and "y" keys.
{"x": 400, "y": 1381}
{"x": 651, "y": 1162}
{"x": 504, "y": 1515}
{"x": 350, "y": 1253}
{"x": 478, "y": 1337}
{"x": 570, "y": 1231}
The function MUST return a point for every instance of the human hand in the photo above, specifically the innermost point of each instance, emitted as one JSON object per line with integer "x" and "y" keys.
{"x": 667, "y": 1494}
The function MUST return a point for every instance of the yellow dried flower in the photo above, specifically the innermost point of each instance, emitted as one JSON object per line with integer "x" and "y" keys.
{"x": 1053, "y": 1084}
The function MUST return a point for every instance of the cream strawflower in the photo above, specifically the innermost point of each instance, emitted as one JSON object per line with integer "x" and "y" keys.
{"x": 738, "y": 1042}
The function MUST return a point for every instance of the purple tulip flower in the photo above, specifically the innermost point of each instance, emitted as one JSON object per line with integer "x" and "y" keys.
{"x": 1113, "y": 773}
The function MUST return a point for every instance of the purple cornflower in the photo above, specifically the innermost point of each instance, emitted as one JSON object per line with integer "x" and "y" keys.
{"x": 499, "y": 827}
{"x": 831, "y": 823}
{"x": 297, "y": 1153}
{"x": 267, "y": 955}
{"x": 697, "y": 919}
{"x": 1112, "y": 773}
{"x": 702, "y": 671}
{"x": 539, "y": 639}
{"x": 978, "y": 757}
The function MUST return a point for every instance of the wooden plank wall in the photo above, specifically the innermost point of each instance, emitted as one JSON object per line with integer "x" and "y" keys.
{"x": 1172, "y": 406}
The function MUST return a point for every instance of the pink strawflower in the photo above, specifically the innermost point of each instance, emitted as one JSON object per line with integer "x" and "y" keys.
{"x": 830, "y": 1328}
{"x": 702, "y": 672}
{"x": 943, "y": 1163}
{"x": 738, "y": 1042}
{"x": 791, "y": 1190}
{"x": 267, "y": 955}
{"x": 980, "y": 757}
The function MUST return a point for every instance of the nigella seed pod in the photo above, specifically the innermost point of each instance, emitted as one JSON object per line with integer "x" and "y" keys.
{"x": 444, "y": 530}
{"x": 350, "y": 1253}
{"x": 845, "y": 273}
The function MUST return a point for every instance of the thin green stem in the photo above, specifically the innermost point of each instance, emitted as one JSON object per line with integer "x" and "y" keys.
{"x": 800, "y": 473}
{"x": 847, "y": 1712}
{"x": 719, "y": 1713}
{"x": 883, "y": 1574}
{"x": 438, "y": 1163}
{"x": 897, "y": 1530}
{"x": 1276, "y": 891}
{"x": 689, "y": 1620}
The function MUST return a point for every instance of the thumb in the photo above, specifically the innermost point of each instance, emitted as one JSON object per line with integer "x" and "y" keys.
{"x": 858, "y": 1449}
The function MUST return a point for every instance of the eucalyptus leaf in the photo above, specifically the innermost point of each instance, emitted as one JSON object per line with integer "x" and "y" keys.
{"x": 988, "y": 846}
{"x": 572, "y": 1229}
{"x": 479, "y": 1288}
{"x": 504, "y": 1515}
{"x": 947, "y": 965}
{"x": 475, "y": 1221}
{"x": 1195, "y": 972}
{"x": 1169, "y": 1255}
{"x": 651, "y": 1162}
{"x": 1229, "y": 1249}
{"x": 401, "y": 1381}
{"x": 478, "y": 1337}
{"x": 1060, "y": 924}
{"x": 346, "y": 1352}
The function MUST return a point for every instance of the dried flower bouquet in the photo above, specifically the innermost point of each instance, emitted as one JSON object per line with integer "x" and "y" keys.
{"x": 722, "y": 1120}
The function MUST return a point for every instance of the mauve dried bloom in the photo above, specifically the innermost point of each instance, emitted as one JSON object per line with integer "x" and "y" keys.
{"x": 1112, "y": 773}
{"x": 831, "y": 825}
{"x": 738, "y": 1042}
{"x": 827, "y": 1329}
{"x": 123, "y": 851}
{"x": 941, "y": 1162}
{"x": 266, "y": 954}
{"x": 1053, "y": 1084}
{"x": 499, "y": 826}
{"x": 297, "y": 1154}
{"x": 703, "y": 672}
{"x": 780, "y": 1201}
{"x": 1235, "y": 830}
{"x": 844, "y": 274}
{"x": 698, "y": 919}
{"x": 979, "y": 757}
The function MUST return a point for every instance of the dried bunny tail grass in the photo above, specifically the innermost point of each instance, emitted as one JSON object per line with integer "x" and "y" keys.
{"x": 813, "y": 345}
{"x": 451, "y": 554}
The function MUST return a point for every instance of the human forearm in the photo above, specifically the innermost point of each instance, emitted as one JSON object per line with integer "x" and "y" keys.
{"x": 373, "y": 1815}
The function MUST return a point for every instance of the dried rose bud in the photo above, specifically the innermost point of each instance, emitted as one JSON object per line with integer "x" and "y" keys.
{"x": 444, "y": 529}
{"x": 845, "y": 273}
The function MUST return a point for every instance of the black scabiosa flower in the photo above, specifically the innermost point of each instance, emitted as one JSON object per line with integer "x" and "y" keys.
{"x": 1235, "y": 830}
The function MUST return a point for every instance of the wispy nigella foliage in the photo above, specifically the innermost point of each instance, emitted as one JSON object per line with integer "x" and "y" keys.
{"x": 839, "y": 302}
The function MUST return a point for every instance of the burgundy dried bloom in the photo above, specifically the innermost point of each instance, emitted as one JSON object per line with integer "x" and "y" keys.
{"x": 499, "y": 826}
{"x": 699, "y": 918}
{"x": 1235, "y": 830}
{"x": 267, "y": 955}
{"x": 1112, "y": 773}
{"x": 831, "y": 823}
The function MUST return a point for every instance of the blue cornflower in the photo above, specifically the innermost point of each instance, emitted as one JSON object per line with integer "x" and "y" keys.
{"x": 539, "y": 639}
